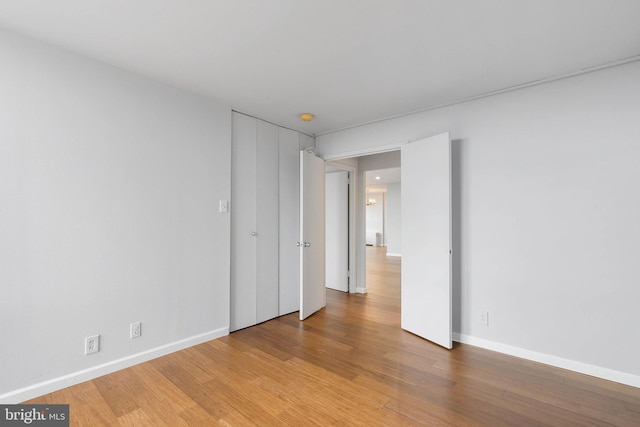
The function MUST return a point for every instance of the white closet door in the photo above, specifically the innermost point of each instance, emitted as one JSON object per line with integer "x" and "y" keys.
{"x": 267, "y": 221}
{"x": 289, "y": 221}
{"x": 243, "y": 222}
{"x": 312, "y": 269}
{"x": 426, "y": 239}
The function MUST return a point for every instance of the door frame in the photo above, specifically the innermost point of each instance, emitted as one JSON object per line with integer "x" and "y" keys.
{"x": 357, "y": 247}
{"x": 455, "y": 213}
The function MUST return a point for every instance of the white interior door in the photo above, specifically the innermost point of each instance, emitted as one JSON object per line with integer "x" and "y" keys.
{"x": 312, "y": 235}
{"x": 426, "y": 239}
{"x": 289, "y": 226}
{"x": 337, "y": 230}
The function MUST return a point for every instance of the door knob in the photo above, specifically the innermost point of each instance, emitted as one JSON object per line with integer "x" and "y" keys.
{"x": 253, "y": 233}
{"x": 298, "y": 244}
{"x": 307, "y": 244}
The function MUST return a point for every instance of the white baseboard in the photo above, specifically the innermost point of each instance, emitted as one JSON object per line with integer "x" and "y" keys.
{"x": 393, "y": 254}
{"x": 361, "y": 290}
{"x": 547, "y": 359}
{"x": 74, "y": 378}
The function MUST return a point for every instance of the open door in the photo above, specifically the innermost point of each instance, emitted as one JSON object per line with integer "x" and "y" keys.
{"x": 312, "y": 235}
{"x": 337, "y": 231}
{"x": 426, "y": 239}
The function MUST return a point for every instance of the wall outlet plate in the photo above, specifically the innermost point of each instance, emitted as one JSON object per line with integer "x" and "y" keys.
{"x": 91, "y": 344}
{"x": 484, "y": 318}
{"x": 135, "y": 330}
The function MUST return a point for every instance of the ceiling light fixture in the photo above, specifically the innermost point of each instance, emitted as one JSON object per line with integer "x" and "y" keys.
{"x": 307, "y": 117}
{"x": 377, "y": 177}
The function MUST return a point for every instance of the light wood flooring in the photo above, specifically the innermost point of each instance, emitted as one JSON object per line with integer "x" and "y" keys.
{"x": 349, "y": 364}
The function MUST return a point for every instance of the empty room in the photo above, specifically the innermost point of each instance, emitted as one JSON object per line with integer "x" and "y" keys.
{"x": 168, "y": 256}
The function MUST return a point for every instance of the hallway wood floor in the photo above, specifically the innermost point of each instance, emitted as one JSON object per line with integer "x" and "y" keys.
{"x": 349, "y": 364}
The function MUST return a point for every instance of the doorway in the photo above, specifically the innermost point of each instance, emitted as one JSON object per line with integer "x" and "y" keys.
{"x": 343, "y": 184}
{"x": 378, "y": 203}
{"x": 427, "y": 236}
{"x": 337, "y": 228}
{"x": 382, "y": 225}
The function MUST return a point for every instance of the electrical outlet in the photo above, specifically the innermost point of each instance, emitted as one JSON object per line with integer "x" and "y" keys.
{"x": 135, "y": 330}
{"x": 91, "y": 344}
{"x": 484, "y": 318}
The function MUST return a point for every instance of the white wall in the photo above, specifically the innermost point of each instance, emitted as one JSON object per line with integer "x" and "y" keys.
{"x": 393, "y": 228}
{"x": 548, "y": 178}
{"x": 375, "y": 215}
{"x": 109, "y": 189}
{"x": 378, "y": 161}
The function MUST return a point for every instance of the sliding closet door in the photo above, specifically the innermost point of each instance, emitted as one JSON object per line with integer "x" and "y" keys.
{"x": 243, "y": 223}
{"x": 267, "y": 221}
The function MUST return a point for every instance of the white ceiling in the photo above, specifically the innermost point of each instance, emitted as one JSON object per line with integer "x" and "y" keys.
{"x": 348, "y": 62}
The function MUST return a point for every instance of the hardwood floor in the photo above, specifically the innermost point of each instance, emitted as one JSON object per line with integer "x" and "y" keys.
{"x": 349, "y": 364}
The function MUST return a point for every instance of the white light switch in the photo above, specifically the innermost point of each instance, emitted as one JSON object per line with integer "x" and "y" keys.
{"x": 224, "y": 206}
